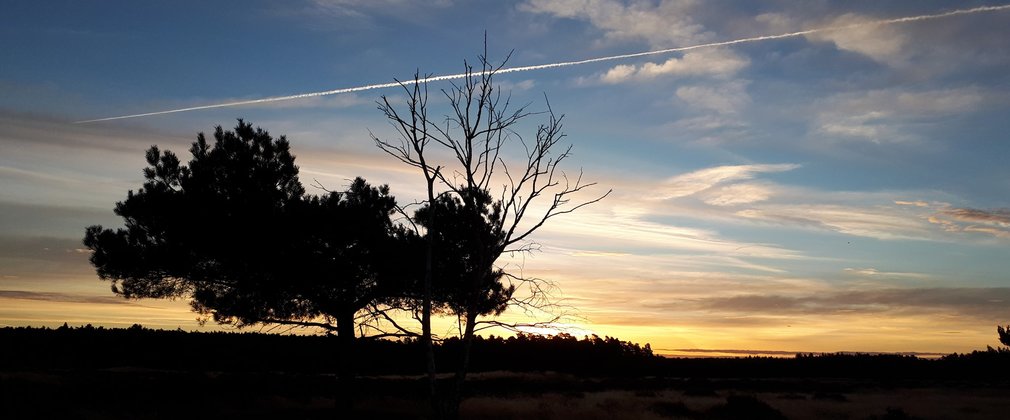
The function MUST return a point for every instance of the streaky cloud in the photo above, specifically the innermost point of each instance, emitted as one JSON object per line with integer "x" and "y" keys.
{"x": 1000, "y": 216}
{"x": 973, "y": 302}
{"x": 429, "y": 79}
{"x": 703, "y": 179}
{"x": 61, "y": 297}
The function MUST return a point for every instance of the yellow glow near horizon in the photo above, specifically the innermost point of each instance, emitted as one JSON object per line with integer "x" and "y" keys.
{"x": 859, "y": 333}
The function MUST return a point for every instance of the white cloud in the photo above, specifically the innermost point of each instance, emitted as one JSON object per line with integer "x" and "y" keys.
{"x": 884, "y": 116}
{"x": 737, "y": 194}
{"x": 361, "y": 8}
{"x": 887, "y": 44}
{"x": 867, "y": 214}
{"x": 776, "y": 22}
{"x": 667, "y": 22}
{"x": 703, "y": 179}
{"x": 916, "y": 51}
{"x": 727, "y": 98}
{"x": 707, "y": 123}
{"x": 916, "y": 203}
{"x": 620, "y": 73}
{"x": 878, "y": 222}
{"x": 718, "y": 63}
{"x": 882, "y": 43}
{"x": 622, "y": 240}
{"x": 875, "y": 273}
{"x": 730, "y": 195}
{"x": 508, "y": 85}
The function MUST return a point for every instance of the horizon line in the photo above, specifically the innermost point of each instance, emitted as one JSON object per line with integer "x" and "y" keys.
{"x": 794, "y": 353}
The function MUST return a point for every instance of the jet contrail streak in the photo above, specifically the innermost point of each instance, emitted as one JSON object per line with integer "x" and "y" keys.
{"x": 567, "y": 63}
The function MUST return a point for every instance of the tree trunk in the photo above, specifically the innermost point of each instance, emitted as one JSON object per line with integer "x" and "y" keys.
{"x": 429, "y": 347}
{"x": 454, "y": 400}
{"x": 345, "y": 398}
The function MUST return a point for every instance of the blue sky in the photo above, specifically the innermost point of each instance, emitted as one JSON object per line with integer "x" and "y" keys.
{"x": 842, "y": 190}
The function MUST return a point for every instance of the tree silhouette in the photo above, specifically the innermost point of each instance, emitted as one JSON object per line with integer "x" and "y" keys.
{"x": 1004, "y": 334}
{"x": 482, "y": 204}
{"x": 234, "y": 232}
{"x": 467, "y": 282}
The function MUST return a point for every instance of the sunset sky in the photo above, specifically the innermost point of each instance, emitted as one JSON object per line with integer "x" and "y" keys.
{"x": 845, "y": 190}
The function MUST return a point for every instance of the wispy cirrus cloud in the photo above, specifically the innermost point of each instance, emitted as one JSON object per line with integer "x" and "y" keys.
{"x": 917, "y": 51}
{"x": 703, "y": 179}
{"x": 874, "y": 273}
{"x": 47, "y": 308}
{"x": 874, "y": 221}
{"x": 990, "y": 222}
{"x": 871, "y": 215}
{"x": 630, "y": 229}
{"x": 962, "y": 220}
{"x": 47, "y": 133}
{"x": 737, "y": 194}
{"x": 724, "y": 98}
{"x": 890, "y": 115}
{"x": 916, "y": 203}
{"x": 883, "y": 43}
{"x": 978, "y": 303}
{"x": 62, "y": 297}
{"x": 664, "y": 24}
{"x": 668, "y": 21}
{"x": 998, "y": 217}
{"x": 323, "y": 15}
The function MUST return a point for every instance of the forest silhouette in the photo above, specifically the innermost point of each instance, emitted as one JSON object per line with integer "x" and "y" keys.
{"x": 592, "y": 356}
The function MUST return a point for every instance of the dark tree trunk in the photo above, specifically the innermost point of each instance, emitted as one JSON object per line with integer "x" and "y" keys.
{"x": 455, "y": 397}
{"x": 429, "y": 347}
{"x": 346, "y": 397}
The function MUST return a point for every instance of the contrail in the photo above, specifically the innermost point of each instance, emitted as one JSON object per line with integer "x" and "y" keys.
{"x": 567, "y": 63}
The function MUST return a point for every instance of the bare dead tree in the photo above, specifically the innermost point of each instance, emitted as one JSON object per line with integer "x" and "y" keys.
{"x": 508, "y": 201}
{"x": 411, "y": 150}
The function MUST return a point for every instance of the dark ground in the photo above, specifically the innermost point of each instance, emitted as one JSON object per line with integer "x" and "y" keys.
{"x": 94, "y": 373}
{"x": 130, "y": 393}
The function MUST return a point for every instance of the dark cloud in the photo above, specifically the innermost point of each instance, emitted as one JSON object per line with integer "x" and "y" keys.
{"x": 62, "y": 297}
{"x": 695, "y": 318}
{"x": 998, "y": 216}
{"x": 739, "y": 352}
{"x": 36, "y": 131}
{"x": 39, "y": 258}
{"x": 41, "y": 247}
{"x": 26, "y": 219}
{"x": 993, "y": 222}
{"x": 709, "y": 352}
{"x": 983, "y": 303}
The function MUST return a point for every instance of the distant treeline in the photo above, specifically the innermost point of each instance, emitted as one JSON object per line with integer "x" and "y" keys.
{"x": 136, "y": 346}
{"x": 88, "y": 347}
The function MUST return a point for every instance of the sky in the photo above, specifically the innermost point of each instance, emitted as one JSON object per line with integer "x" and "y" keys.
{"x": 843, "y": 190}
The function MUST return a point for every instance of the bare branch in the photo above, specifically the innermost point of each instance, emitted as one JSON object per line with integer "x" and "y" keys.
{"x": 279, "y": 321}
